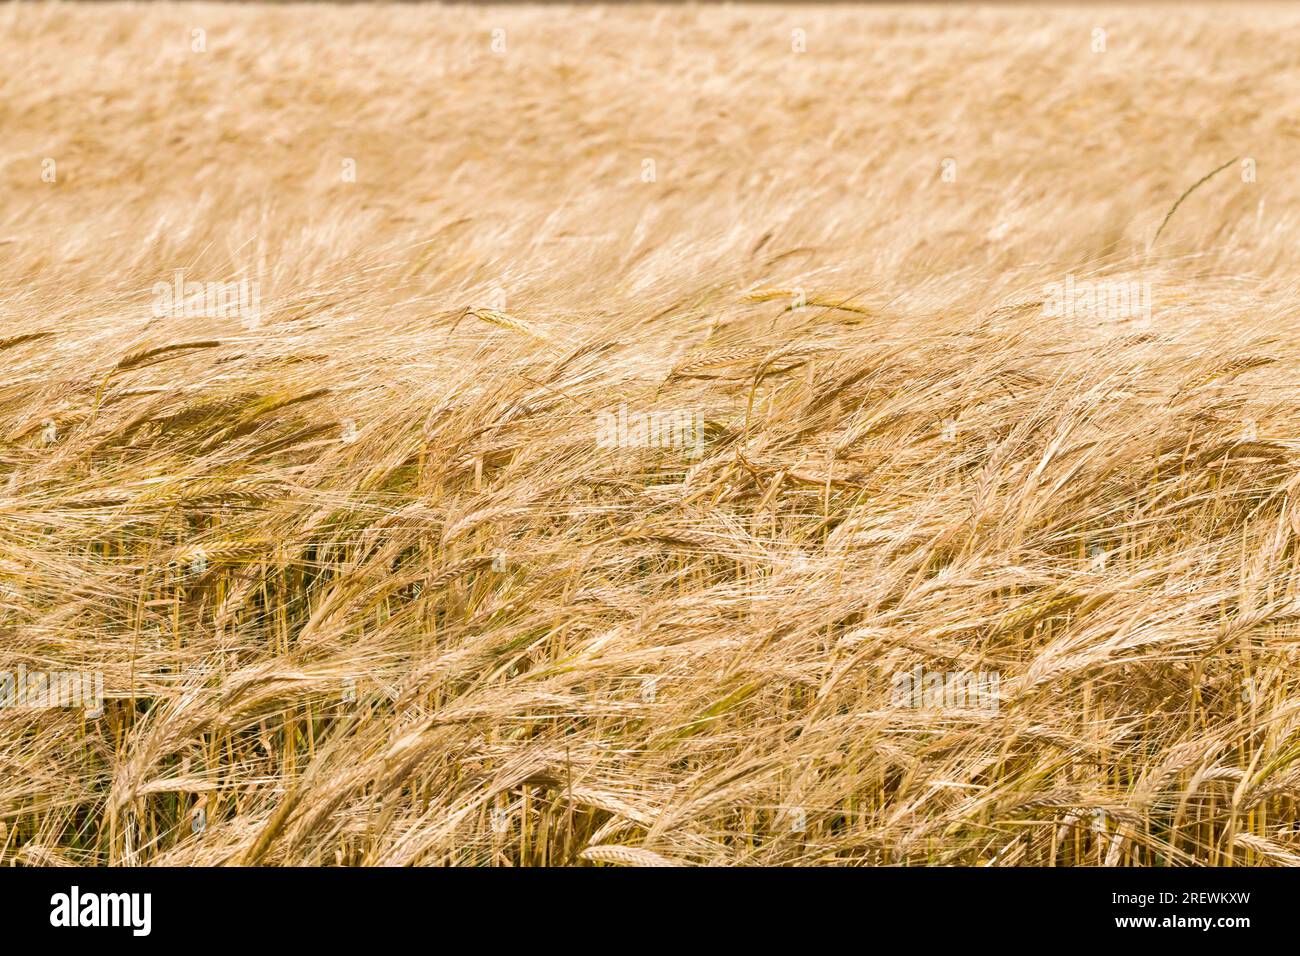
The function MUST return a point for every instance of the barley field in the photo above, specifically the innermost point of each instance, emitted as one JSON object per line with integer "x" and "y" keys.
{"x": 649, "y": 435}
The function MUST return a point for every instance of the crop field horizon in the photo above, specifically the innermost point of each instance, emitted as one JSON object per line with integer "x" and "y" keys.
{"x": 592, "y": 435}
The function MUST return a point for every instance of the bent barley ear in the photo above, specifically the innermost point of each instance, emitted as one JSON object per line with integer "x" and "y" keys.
{"x": 1190, "y": 189}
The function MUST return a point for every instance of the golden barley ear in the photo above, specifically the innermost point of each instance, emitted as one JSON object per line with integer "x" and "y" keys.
{"x": 137, "y": 359}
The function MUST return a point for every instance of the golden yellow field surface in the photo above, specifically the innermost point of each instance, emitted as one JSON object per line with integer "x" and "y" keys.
{"x": 651, "y": 434}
